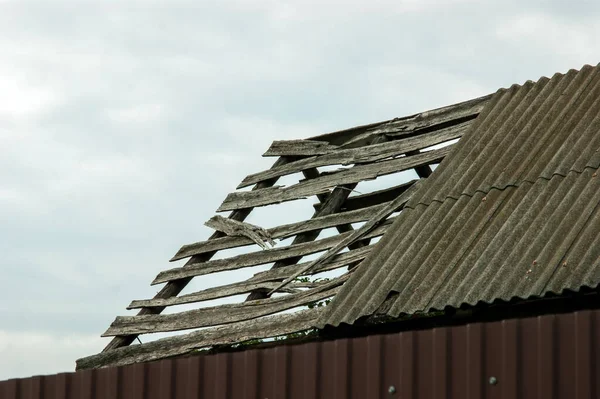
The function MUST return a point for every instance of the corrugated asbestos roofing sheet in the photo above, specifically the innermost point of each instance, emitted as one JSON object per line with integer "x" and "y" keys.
{"x": 511, "y": 212}
{"x": 551, "y": 356}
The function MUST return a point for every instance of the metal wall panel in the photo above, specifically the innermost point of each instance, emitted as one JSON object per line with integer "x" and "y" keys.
{"x": 550, "y": 357}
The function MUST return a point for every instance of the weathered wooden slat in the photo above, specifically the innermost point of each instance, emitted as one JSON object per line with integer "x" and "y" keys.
{"x": 281, "y": 232}
{"x": 299, "y": 148}
{"x": 371, "y": 153}
{"x": 257, "y": 258}
{"x": 340, "y": 260}
{"x": 436, "y": 118}
{"x": 243, "y": 199}
{"x": 215, "y": 293}
{"x": 234, "y": 228}
{"x": 173, "y": 288}
{"x": 359, "y": 234}
{"x": 264, "y": 327}
{"x": 223, "y": 314}
{"x": 373, "y": 200}
{"x": 332, "y": 203}
{"x": 423, "y": 122}
{"x": 344, "y": 137}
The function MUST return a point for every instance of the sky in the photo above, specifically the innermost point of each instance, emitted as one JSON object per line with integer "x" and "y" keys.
{"x": 124, "y": 124}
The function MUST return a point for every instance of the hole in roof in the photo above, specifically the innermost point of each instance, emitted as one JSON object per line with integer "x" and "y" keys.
{"x": 375, "y": 240}
{"x": 330, "y": 274}
{"x": 385, "y": 182}
{"x": 205, "y": 304}
{"x": 328, "y": 169}
{"x": 434, "y": 166}
{"x": 232, "y": 252}
{"x": 440, "y": 145}
{"x": 282, "y": 213}
{"x": 145, "y": 338}
{"x": 311, "y": 257}
{"x": 218, "y": 279}
{"x": 358, "y": 225}
{"x": 395, "y": 214}
{"x": 290, "y": 180}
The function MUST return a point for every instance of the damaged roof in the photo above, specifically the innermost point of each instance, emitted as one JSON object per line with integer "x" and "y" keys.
{"x": 512, "y": 212}
{"x": 347, "y": 217}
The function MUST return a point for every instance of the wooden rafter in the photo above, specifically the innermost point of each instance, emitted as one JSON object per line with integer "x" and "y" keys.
{"x": 372, "y": 151}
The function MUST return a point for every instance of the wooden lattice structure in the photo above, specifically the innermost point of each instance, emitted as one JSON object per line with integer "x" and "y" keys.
{"x": 360, "y": 154}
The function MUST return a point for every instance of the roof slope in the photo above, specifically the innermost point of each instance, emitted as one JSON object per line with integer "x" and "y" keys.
{"x": 400, "y": 149}
{"x": 511, "y": 212}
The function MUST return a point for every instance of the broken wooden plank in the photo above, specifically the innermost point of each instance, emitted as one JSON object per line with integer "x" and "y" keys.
{"x": 256, "y": 258}
{"x": 237, "y": 288}
{"x": 299, "y": 147}
{"x": 436, "y": 118}
{"x": 280, "y": 232}
{"x": 423, "y": 122}
{"x": 331, "y": 204}
{"x": 343, "y": 137}
{"x": 173, "y": 288}
{"x": 264, "y": 327}
{"x": 361, "y": 233}
{"x": 371, "y": 153}
{"x": 222, "y": 314}
{"x": 355, "y": 174}
{"x": 241, "y": 229}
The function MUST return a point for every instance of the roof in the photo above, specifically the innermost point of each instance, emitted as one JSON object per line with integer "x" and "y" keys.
{"x": 512, "y": 212}
{"x": 348, "y": 217}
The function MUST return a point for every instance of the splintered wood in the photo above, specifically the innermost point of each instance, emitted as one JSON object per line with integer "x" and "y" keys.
{"x": 234, "y": 228}
{"x": 276, "y": 295}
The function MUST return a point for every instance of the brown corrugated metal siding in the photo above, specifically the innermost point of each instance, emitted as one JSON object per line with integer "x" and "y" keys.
{"x": 550, "y": 357}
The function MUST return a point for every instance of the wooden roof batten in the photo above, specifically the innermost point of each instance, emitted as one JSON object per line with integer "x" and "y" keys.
{"x": 385, "y": 148}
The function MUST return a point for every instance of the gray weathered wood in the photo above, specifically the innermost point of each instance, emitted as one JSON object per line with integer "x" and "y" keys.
{"x": 339, "y": 260}
{"x": 299, "y": 148}
{"x": 332, "y": 203}
{"x": 223, "y": 314}
{"x": 425, "y": 121}
{"x": 371, "y": 153}
{"x": 232, "y": 227}
{"x": 215, "y": 293}
{"x": 280, "y": 232}
{"x": 436, "y": 118}
{"x": 373, "y": 199}
{"x": 257, "y": 258}
{"x": 264, "y": 327}
{"x": 173, "y": 288}
{"x": 361, "y": 233}
{"x": 346, "y": 136}
{"x": 243, "y": 199}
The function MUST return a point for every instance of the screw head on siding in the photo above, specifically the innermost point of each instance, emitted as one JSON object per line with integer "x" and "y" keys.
{"x": 493, "y": 380}
{"x": 392, "y": 389}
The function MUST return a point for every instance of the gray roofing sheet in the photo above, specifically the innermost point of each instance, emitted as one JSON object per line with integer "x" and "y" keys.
{"x": 512, "y": 211}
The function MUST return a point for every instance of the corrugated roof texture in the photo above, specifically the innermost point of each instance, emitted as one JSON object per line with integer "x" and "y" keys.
{"x": 512, "y": 211}
{"x": 553, "y": 356}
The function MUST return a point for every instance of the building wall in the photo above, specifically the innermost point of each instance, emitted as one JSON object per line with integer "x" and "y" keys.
{"x": 552, "y": 356}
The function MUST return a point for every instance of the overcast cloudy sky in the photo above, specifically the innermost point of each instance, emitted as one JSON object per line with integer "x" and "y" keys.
{"x": 123, "y": 125}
